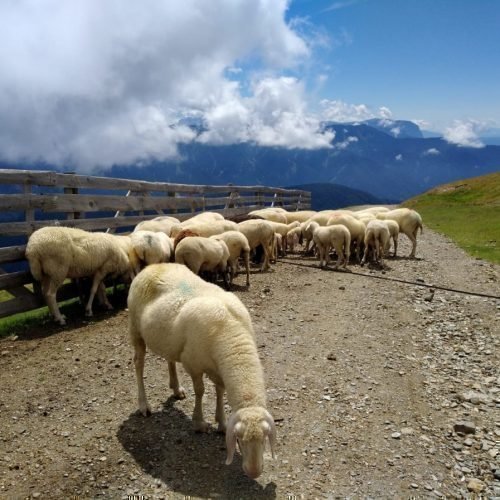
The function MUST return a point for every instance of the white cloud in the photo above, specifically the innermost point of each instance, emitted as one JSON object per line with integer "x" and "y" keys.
{"x": 340, "y": 111}
{"x": 346, "y": 143}
{"x": 464, "y": 133}
{"x": 89, "y": 84}
{"x": 399, "y": 157}
{"x": 432, "y": 151}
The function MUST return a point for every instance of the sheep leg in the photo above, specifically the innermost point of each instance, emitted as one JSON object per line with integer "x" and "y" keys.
{"x": 103, "y": 298}
{"x": 96, "y": 281}
{"x": 139, "y": 355}
{"x": 220, "y": 416}
{"x": 365, "y": 254}
{"x": 199, "y": 389}
{"x": 340, "y": 258}
{"x": 49, "y": 290}
{"x": 413, "y": 239}
{"x": 178, "y": 391}
{"x": 246, "y": 260}
{"x": 395, "y": 239}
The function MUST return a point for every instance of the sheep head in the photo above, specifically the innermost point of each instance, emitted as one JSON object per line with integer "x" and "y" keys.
{"x": 250, "y": 427}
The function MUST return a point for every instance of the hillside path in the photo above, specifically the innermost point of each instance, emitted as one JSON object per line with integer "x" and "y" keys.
{"x": 369, "y": 380}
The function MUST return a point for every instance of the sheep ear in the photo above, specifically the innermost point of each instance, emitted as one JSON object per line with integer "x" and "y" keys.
{"x": 233, "y": 427}
{"x": 272, "y": 432}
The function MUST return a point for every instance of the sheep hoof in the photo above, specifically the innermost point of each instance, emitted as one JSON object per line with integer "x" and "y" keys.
{"x": 201, "y": 426}
{"x": 62, "y": 320}
{"x": 88, "y": 313}
{"x": 146, "y": 412}
{"x": 180, "y": 393}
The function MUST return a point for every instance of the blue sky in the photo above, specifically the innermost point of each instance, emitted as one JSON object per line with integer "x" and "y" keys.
{"x": 88, "y": 84}
{"x": 433, "y": 60}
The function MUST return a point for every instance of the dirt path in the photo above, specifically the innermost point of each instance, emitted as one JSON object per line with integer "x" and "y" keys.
{"x": 368, "y": 380}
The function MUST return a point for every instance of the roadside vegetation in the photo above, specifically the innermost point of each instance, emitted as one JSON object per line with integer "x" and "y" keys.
{"x": 467, "y": 211}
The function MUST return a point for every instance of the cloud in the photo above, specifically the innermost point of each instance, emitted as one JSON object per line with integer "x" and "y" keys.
{"x": 339, "y": 111}
{"x": 432, "y": 151}
{"x": 346, "y": 143}
{"x": 89, "y": 84}
{"x": 340, "y": 5}
{"x": 464, "y": 133}
{"x": 398, "y": 157}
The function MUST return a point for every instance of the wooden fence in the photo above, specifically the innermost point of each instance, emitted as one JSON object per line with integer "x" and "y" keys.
{"x": 34, "y": 199}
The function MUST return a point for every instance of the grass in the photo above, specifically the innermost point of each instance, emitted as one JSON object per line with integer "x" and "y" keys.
{"x": 467, "y": 211}
{"x": 20, "y": 324}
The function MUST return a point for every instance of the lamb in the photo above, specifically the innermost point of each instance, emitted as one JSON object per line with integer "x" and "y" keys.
{"x": 203, "y": 254}
{"x": 184, "y": 319}
{"x": 259, "y": 232}
{"x": 237, "y": 245}
{"x": 325, "y": 237}
{"x": 185, "y": 233}
{"x": 56, "y": 253}
{"x": 409, "y": 222}
{"x": 282, "y": 230}
{"x": 324, "y": 216}
{"x": 356, "y": 228}
{"x": 377, "y": 239}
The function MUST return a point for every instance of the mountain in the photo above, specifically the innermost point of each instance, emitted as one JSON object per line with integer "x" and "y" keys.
{"x": 331, "y": 196}
{"x": 363, "y": 156}
{"x": 401, "y": 129}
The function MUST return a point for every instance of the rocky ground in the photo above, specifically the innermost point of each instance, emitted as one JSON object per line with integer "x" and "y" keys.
{"x": 379, "y": 387}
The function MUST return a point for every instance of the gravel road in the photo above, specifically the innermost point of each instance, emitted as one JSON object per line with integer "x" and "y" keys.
{"x": 379, "y": 388}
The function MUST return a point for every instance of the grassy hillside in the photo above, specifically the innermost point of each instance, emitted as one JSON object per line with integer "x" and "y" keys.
{"x": 468, "y": 211}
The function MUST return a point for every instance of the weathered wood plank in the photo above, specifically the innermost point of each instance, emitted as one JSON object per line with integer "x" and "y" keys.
{"x": 50, "y": 178}
{"x": 12, "y": 254}
{"x": 11, "y": 280}
{"x": 19, "y": 305}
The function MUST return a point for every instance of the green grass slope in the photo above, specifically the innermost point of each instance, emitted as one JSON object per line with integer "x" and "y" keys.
{"x": 467, "y": 211}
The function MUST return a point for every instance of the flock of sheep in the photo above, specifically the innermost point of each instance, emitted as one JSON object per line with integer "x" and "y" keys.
{"x": 183, "y": 318}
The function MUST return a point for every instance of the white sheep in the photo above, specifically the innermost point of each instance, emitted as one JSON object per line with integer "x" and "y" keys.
{"x": 161, "y": 224}
{"x": 355, "y": 226}
{"x": 204, "y": 227}
{"x": 237, "y": 245}
{"x": 393, "y": 227}
{"x": 57, "y": 253}
{"x": 259, "y": 232}
{"x": 326, "y": 237}
{"x": 293, "y": 238}
{"x": 299, "y": 215}
{"x": 377, "y": 239}
{"x": 204, "y": 217}
{"x": 274, "y": 214}
{"x": 324, "y": 216}
{"x": 184, "y": 319}
{"x": 151, "y": 248}
{"x": 409, "y": 222}
{"x": 203, "y": 254}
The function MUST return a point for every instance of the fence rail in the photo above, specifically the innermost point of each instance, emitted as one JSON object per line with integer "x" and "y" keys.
{"x": 32, "y": 199}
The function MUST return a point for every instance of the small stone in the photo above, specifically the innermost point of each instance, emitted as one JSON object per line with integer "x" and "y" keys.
{"x": 341, "y": 287}
{"x": 468, "y": 442}
{"x": 407, "y": 431}
{"x": 475, "y": 485}
{"x": 396, "y": 435}
{"x": 414, "y": 485}
{"x": 331, "y": 357}
{"x": 465, "y": 427}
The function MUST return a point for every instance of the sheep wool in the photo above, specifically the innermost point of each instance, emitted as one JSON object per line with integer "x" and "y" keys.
{"x": 181, "y": 318}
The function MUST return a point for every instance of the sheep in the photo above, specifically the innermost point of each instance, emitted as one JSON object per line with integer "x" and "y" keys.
{"x": 299, "y": 216}
{"x": 293, "y": 238}
{"x": 324, "y": 216}
{"x": 151, "y": 248}
{"x": 185, "y": 233}
{"x": 270, "y": 214}
{"x": 377, "y": 238}
{"x": 57, "y": 253}
{"x": 409, "y": 222}
{"x": 237, "y": 245}
{"x": 183, "y": 319}
{"x": 393, "y": 227}
{"x": 204, "y": 217}
{"x": 204, "y": 227}
{"x": 259, "y": 232}
{"x": 325, "y": 237}
{"x": 203, "y": 254}
{"x": 161, "y": 224}
{"x": 282, "y": 230}
{"x": 356, "y": 228}
{"x": 371, "y": 210}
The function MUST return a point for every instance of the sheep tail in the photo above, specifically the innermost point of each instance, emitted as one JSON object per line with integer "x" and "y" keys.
{"x": 36, "y": 268}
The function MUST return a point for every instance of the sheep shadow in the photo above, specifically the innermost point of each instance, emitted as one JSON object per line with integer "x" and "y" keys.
{"x": 166, "y": 448}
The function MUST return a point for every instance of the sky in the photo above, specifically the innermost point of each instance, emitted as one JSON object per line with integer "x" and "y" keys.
{"x": 88, "y": 84}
